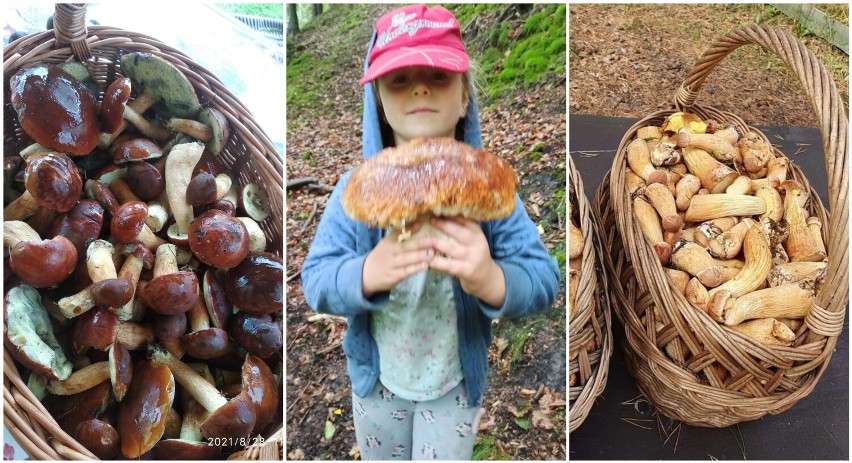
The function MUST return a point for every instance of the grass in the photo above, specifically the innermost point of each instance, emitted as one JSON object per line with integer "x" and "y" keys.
{"x": 266, "y": 10}
{"x": 486, "y": 449}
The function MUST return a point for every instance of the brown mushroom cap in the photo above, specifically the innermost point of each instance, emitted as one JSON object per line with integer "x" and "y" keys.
{"x": 53, "y": 181}
{"x": 179, "y": 449}
{"x": 172, "y": 293}
{"x": 440, "y": 176}
{"x": 81, "y": 225}
{"x": 261, "y": 388}
{"x": 205, "y": 344}
{"x": 101, "y": 193}
{"x": 218, "y": 239}
{"x": 112, "y": 292}
{"x": 218, "y": 307}
{"x": 71, "y": 410}
{"x": 234, "y": 420}
{"x": 256, "y": 285}
{"x": 98, "y": 437}
{"x": 112, "y": 106}
{"x": 54, "y": 109}
{"x": 28, "y": 334}
{"x": 43, "y": 263}
{"x": 169, "y": 327}
{"x": 201, "y": 189}
{"x": 135, "y": 149}
{"x": 145, "y": 180}
{"x": 258, "y": 335}
{"x": 142, "y": 414}
{"x": 127, "y": 221}
{"x": 95, "y": 328}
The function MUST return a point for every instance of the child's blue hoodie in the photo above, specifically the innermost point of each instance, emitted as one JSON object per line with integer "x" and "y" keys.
{"x": 331, "y": 274}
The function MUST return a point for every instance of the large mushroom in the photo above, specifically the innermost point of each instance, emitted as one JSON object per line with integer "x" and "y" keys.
{"x": 258, "y": 335}
{"x": 426, "y": 177}
{"x": 179, "y": 165}
{"x": 142, "y": 414}
{"x": 54, "y": 109}
{"x": 260, "y": 386}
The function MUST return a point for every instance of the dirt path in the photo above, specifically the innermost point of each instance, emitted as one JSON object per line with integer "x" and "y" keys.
{"x": 628, "y": 60}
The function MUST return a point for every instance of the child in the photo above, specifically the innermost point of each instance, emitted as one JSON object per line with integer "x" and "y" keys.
{"x": 417, "y": 341}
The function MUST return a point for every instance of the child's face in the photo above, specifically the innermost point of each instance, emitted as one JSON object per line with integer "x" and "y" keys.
{"x": 422, "y": 102}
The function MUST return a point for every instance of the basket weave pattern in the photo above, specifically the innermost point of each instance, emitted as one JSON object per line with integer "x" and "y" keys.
{"x": 591, "y": 322}
{"x": 760, "y": 379}
{"x": 249, "y": 154}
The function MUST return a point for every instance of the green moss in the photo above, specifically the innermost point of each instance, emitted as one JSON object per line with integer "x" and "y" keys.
{"x": 486, "y": 449}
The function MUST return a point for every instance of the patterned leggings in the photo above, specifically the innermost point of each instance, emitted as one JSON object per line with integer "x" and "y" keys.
{"x": 390, "y": 428}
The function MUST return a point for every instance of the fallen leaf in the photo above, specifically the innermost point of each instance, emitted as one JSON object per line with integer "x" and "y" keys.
{"x": 540, "y": 420}
{"x": 522, "y": 423}
{"x": 501, "y": 344}
{"x": 337, "y": 411}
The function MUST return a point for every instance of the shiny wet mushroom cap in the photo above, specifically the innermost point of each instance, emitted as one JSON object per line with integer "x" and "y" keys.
{"x": 54, "y": 109}
{"x": 438, "y": 176}
{"x": 53, "y": 181}
{"x": 142, "y": 414}
{"x": 256, "y": 285}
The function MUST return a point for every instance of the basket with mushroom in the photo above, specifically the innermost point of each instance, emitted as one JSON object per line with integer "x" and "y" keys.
{"x": 731, "y": 277}
{"x": 143, "y": 275}
{"x": 590, "y": 335}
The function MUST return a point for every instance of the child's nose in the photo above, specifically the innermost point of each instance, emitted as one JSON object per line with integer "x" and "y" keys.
{"x": 420, "y": 87}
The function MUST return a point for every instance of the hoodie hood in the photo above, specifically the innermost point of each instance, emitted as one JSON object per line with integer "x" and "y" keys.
{"x": 372, "y": 134}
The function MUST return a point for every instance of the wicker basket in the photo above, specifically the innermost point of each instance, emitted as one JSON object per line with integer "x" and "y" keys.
{"x": 248, "y": 153}
{"x": 761, "y": 379}
{"x": 591, "y": 322}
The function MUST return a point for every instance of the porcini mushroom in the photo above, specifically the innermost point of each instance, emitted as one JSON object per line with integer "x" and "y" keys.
{"x": 29, "y": 334}
{"x": 801, "y": 244}
{"x": 429, "y": 175}
{"x": 233, "y": 418}
{"x": 255, "y": 202}
{"x": 170, "y": 291}
{"x": 100, "y": 438}
{"x": 258, "y": 335}
{"x": 767, "y": 331}
{"x": 204, "y": 342}
{"x": 758, "y": 262}
{"x": 145, "y": 180}
{"x": 792, "y": 300}
{"x": 259, "y": 384}
{"x": 136, "y": 150}
{"x": 81, "y": 225}
{"x": 39, "y": 263}
{"x": 54, "y": 109}
{"x": 179, "y": 164}
{"x": 100, "y": 328}
{"x": 649, "y": 222}
{"x": 639, "y": 160}
{"x": 755, "y": 151}
{"x": 255, "y": 286}
{"x": 713, "y": 144}
{"x": 713, "y": 206}
{"x": 714, "y": 176}
{"x": 81, "y": 380}
{"x": 142, "y": 414}
{"x": 661, "y": 198}
{"x": 138, "y": 257}
{"x": 128, "y": 224}
{"x": 218, "y": 239}
{"x": 106, "y": 288}
{"x": 52, "y": 181}
{"x": 696, "y": 261}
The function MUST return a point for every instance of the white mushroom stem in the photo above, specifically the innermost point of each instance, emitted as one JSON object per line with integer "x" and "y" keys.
{"x": 223, "y": 185}
{"x": 130, "y": 271}
{"x": 197, "y": 315}
{"x": 141, "y": 104}
{"x": 257, "y": 240}
{"x": 166, "y": 260}
{"x": 193, "y": 383}
{"x": 15, "y": 231}
{"x": 81, "y": 380}
{"x": 134, "y": 336}
{"x": 158, "y": 213}
{"x": 193, "y": 128}
{"x": 792, "y": 300}
{"x": 76, "y": 304}
{"x": 179, "y": 165}
{"x": 21, "y": 208}
{"x": 99, "y": 261}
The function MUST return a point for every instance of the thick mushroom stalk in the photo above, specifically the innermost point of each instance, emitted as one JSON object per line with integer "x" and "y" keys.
{"x": 758, "y": 263}
{"x": 203, "y": 342}
{"x": 81, "y": 380}
{"x": 714, "y": 176}
{"x": 115, "y": 114}
{"x": 39, "y": 263}
{"x": 138, "y": 257}
{"x": 800, "y": 244}
{"x": 233, "y": 418}
{"x": 170, "y": 292}
{"x": 767, "y": 331}
{"x": 179, "y": 165}
{"x": 793, "y": 300}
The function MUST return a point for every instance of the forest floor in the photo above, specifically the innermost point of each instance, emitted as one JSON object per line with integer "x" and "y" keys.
{"x": 628, "y": 60}
{"x": 525, "y": 399}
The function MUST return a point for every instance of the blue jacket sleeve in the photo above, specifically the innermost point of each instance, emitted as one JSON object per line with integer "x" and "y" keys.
{"x": 531, "y": 274}
{"x": 331, "y": 274}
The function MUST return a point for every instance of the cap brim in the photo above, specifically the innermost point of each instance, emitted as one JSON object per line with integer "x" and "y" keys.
{"x": 436, "y": 56}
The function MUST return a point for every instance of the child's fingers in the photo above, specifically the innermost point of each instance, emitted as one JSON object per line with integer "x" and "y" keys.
{"x": 447, "y": 265}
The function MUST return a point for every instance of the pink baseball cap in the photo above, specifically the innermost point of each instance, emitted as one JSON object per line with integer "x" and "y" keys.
{"x": 416, "y": 35}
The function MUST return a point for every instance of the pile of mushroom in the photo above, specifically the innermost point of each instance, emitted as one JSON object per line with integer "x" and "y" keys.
{"x": 732, "y": 230}
{"x": 576, "y": 243}
{"x": 141, "y": 302}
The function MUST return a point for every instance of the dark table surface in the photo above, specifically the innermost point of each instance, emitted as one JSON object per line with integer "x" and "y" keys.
{"x": 817, "y": 427}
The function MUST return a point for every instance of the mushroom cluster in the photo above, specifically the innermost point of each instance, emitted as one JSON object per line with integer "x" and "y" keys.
{"x": 141, "y": 302}
{"x": 732, "y": 231}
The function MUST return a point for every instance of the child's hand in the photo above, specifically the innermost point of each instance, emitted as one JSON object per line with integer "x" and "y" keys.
{"x": 392, "y": 261}
{"x": 467, "y": 257}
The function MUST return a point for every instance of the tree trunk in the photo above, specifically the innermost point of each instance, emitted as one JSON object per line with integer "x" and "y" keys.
{"x": 292, "y": 20}
{"x": 316, "y": 10}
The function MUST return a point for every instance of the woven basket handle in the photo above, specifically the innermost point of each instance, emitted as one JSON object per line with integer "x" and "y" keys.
{"x": 69, "y": 25}
{"x": 833, "y": 126}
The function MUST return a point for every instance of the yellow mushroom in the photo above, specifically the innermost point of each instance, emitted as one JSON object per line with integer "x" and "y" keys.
{"x": 713, "y": 206}
{"x": 728, "y": 244}
{"x": 800, "y": 244}
{"x": 685, "y": 189}
{"x": 639, "y": 160}
{"x": 740, "y": 186}
{"x": 715, "y": 145}
{"x": 792, "y": 272}
{"x": 661, "y": 198}
{"x": 714, "y": 176}
{"x": 792, "y": 300}
{"x": 767, "y": 331}
{"x": 696, "y": 261}
{"x": 649, "y": 222}
{"x": 758, "y": 262}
